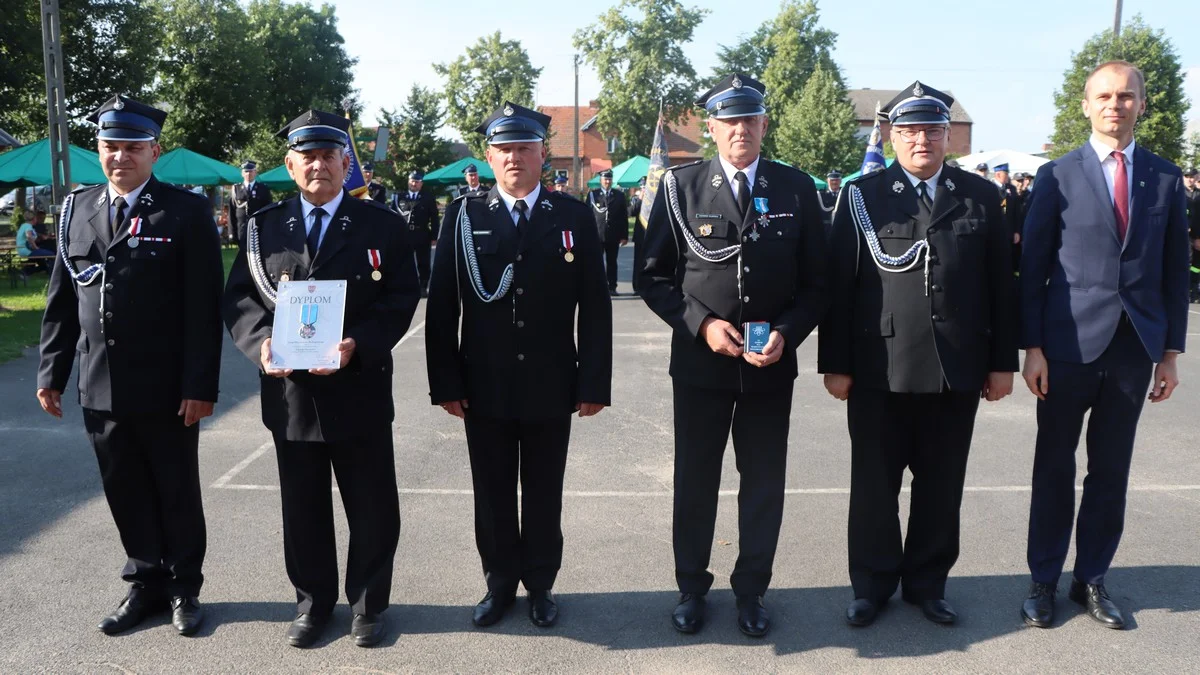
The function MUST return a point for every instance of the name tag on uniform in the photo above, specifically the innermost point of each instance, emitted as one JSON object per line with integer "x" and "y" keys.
{"x": 755, "y": 335}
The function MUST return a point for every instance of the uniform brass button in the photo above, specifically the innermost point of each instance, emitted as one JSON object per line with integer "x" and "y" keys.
{"x": 937, "y": 287}
{"x": 520, "y": 291}
{"x": 518, "y": 257}
{"x": 111, "y": 342}
{"x": 108, "y": 287}
{"x": 933, "y": 258}
{"x": 746, "y": 299}
{"x": 746, "y": 268}
{"x": 520, "y": 357}
{"x": 937, "y": 317}
{"x": 520, "y": 324}
{"x": 889, "y": 230}
{"x": 108, "y": 315}
{"x": 111, "y": 258}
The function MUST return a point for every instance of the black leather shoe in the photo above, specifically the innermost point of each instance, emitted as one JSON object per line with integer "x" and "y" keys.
{"x": 1038, "y": 608}
{"x": 862, "y": 612}
{"x": 1099, "y": 606}
{"x": 367, "y": 629}
{"x": 186, "y": 615}
{"x": 543, "y": 611}
{"x": 938, "y": 611}
{"x": 491, "y": 608}
{"x": 132, "y": 611}
{"x": 306, "y": 629}
{"x": 688, "y": 616}
{"x": 752, "y": 616}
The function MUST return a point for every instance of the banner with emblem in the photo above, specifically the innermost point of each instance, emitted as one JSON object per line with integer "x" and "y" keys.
{"x": 873, "y": 159}
{"x": 355, "y": 184}
{"x": 654, "y": 172}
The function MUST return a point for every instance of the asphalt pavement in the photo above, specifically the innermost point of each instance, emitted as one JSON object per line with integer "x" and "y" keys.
{"x": 60, "y": 556}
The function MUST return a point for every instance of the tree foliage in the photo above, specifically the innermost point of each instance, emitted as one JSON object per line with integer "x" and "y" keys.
{"x": 492, "y": 71}
{"x": 103, "y": 44}
{"x": 636, "y": 49}
{"x": 1161, "y": 129}
{"x": 818, "y": 132}
{"x": 413, "y": 142}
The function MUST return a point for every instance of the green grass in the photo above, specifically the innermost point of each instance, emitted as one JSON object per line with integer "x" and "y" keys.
{"x": 21, "y": 310}
{"x": 21, "y": 315}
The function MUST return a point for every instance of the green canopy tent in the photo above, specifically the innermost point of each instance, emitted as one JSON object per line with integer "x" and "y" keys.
{"x": 627, "y": 173}
{"x": 276, "y": 179}
{"x": 185, "y": 167}
{"x": 30, "y": 165}
{"x": 452, "y": 174}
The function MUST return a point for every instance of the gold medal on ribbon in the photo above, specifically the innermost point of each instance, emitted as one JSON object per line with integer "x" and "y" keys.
{"x": 376, "y": 275}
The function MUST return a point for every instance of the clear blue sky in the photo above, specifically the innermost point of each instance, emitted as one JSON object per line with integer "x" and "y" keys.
{"x": 1002, "y": 60}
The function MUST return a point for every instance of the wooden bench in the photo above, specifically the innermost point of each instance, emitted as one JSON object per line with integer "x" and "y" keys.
{"x": 20, "y": 268}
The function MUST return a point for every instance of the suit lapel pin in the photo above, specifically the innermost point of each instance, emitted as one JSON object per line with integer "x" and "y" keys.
{"x": 345, "y": 221}
{"x": 1141, "y": 183}
{"x": 717, "y": 180}
{"x": 897, "y": 187}
{"x": 950, "y": 184}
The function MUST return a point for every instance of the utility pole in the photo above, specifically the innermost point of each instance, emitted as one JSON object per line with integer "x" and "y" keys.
{"x": 56, "y": 102}
{"x": 1117, "y": 21}
{"x": 575, "y": 158}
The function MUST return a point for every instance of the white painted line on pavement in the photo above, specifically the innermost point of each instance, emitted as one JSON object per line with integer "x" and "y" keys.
{"x": 627, "y": 494}
{"x": 411, "y": 332}
{"x": 223, "y": 481}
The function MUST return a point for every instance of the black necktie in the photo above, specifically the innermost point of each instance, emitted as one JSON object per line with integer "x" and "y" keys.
{"x": 119, "y": 202}
{"x": 923, "y": 193}
{"x": 522, "y": 208}
{"x": 743, "y": 195}
{"x": 313, "y": 241}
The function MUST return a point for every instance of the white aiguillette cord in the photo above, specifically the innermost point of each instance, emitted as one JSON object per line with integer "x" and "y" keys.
{"x": 894, "y": 264}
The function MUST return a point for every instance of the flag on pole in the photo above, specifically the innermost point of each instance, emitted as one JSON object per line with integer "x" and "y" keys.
{"x": 658, "y": 164}
{"x": 355, "y": 184}
{"x": 873, "y": 159}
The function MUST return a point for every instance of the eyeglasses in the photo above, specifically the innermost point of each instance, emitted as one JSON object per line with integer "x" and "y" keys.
{"x": 911, "y": 135}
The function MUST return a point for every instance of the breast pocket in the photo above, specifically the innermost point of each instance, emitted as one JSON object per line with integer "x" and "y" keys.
{"x": 486, "y": 242}
{"x": 80, "y": 250}
{"x": 969, "y": 236}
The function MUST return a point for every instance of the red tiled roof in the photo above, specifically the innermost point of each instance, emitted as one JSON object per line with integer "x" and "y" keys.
{"x": 562, "y": 121}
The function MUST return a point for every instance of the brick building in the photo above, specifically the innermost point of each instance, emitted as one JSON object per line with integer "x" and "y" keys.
{"x": 683, "y": 140}
{"x": 864, "y": 101}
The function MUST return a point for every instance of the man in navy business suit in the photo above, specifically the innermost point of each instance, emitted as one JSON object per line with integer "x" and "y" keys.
{"x": 1104, "y": 297}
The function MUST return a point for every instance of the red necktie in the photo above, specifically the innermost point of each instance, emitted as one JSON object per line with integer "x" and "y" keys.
{"x": 1121, "y": 195}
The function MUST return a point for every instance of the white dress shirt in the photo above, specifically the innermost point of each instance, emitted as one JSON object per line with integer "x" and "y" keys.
{"x": 930, "y": 183}
{"x": 130, "y": 199}
{"x": 510, "y": 202}
{"x": 330, "y": 207}
{"x": 731, "y": 171}
{"x": 1109, "y": 166}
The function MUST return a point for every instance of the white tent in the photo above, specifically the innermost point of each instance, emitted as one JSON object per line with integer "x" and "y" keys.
{"x": 1017, "y": 161}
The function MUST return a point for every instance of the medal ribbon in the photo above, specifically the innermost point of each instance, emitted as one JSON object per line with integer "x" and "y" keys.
{"x": 135, "y": 226}
{"x": 568, "y": 240}
{"x": 374, "y": 257}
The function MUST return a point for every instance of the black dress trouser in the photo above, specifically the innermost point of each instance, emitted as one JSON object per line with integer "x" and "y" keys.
{"x": 150, "y": 470}
{"x": 611, "y": 251}
{"x": 759, "y": 423}
{"x": 366, "y": 476}
{"x": 929, "y": 434}
{"x": 527, "y": 549}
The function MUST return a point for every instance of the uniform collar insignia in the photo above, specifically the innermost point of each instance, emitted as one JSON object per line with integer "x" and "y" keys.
{"x": 292, "y": 219}
{"x": 762, "y": 181}
{"x": 950, "y": 184}
{"x": 717, "y": 180}
{"x": 547, "y": 205}
{"x": 345, "y": 218}
{"x": 897, "y": 187}
{"x": 147, "y": 199}
{"x": 494, "y": 204}
{"x": 103, "y": 198}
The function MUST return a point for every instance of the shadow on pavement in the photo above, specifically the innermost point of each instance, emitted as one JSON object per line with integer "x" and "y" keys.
{"x": 47, "y": 467}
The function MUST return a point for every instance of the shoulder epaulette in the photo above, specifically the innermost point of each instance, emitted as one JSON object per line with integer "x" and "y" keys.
{"x": 268, "y": 207}
{"x": 684, "y": 166}
{"x": 374, "y": 204}
{"x": 84, "y": 188}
